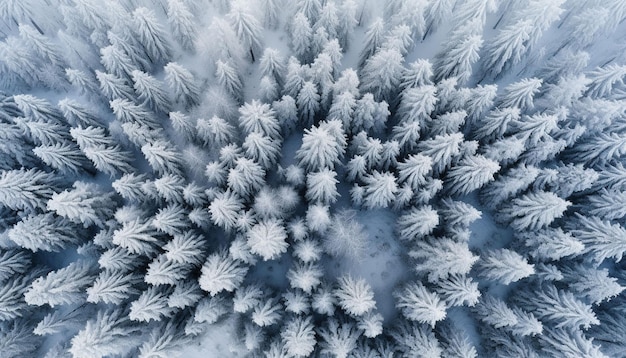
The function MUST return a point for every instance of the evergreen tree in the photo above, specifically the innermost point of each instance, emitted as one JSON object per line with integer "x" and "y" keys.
{"x": 564, "y": 342}
{"x": 225, "y": 210}
{"x": 441, "y": 150}
{"x": 186, "y": 248}
{"x": 435, "y": 13}
{"x": 65, "y": 157}
{"x": 322, "y": 186}
{"x": 299, "y": 337}
{"x": 267, "y": 313}
{"x": 504, "y": 266}
{"x": 380, "y": 189}
{"x": 186, "y": 294}
{"x": 151, "y": 35}
{"x": 305, "y": 276}
{"x": 373, "y": 40}
{"x": 415, "y": 340}
{"x": 210, "y": 310}
{"x": 86, "y": 204}
{"x": 151, "y": 305}
{"x": 599, "y": 148}
{"x": 382, "y": 74}
{"x": 13, "y": 262}
{"x": 308, "y": 102}
{"x": 533, "y": 211}
{"x": 163, "y": 157}
{"x": 182, "y": 83}
{"x": 268, "y": 239}
{"x": 221, "y": 273}
{"x": 459, "y": 290}
{"x": 108, "y": 334}
{"x": 171, "y": 219}
{"x": 229, "y": 79}
{"x": 262, "y": 149}
{"x": 417, "y": 303}
{"x": 138, "y": 237}
{"x": 552, "y": 244}
{"x": 417, "y": 223}
{"x": 215, "y": 131}
{"x": 301, "y": 36}
{"x": 602, "y": 239}
{"x": 520, "y": 94}
{"x": 460, "y": 52}
{"x": 150, "y": 91}
{"x": 442, "y": 257}
{"x": 182, "y": 23}
{"x": 61, "y": 287}
{"x": 163, "y": 341}
{"x": 113, "y": 287}
{"x": 45, "y": 232}
{"x": 338, "y": 338}
{"x": 508, "y": 46}
{"x": 594, "y": 284}
{"x": 495, "y": 312}
{"x": 355, "y": 296}
{"x": 246, "y": 26}
{"x": 471, "y": 173}
{"x": 113, "y": 87}
{"x": 558, "y": 307}
{"x": 259, "y": 117}
{"x": 417, "y": 103}
{"x": 116, "y": 61}
{"x": 514, "y": 181}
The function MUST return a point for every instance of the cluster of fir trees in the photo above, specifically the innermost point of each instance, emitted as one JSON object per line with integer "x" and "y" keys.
{"x": 164, "y": 249}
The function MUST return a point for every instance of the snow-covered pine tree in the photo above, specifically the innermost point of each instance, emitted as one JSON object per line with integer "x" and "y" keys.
{"x": 569, "y": 343}
{"x": 338, "y": 338}
{"x": 458, "y": 290}
{"x": 504, "y": 266}
{"x": 417, "y": 303}
{"x": 511, "y": 183}
{"x": 267, "y": 313}
{"x": 182, "y": 83}
{"x": 44, "y": 232}
{"x": 414, "y": 340}
{"x": 558, "y": 307}
{"x": 602, "y": 239}
{"x": 417, "y": 222}
{"x": 61, "y": 287}
{"x": 495, "y": 312}
{"x": 182, "y": 23}
{"x": 301, "y": 36}
{"x": 442, "y": 257}
{"x": 221, "y": 273}
{"x": 379, "y": 189}
{"x": 138, "y": 237}
{"x": 592, "y": 283}
{"x": 551, "y": 243}
{"x": 151, "y": 35}
{"x": 108, "y": 334}
{"x": 322, "y": 186}
{"x": 150, "y": 91}
{"x": 460, "y": 52}
{"x": 355, "y": 296}
{"x": 382, "y": 74}
{"x": 441, "y": 150}
{"x": 298, "y": 337}
{"x": 86, "y": 204}
{"x": 471, "y": 173}
{"x": 533, "y": 211}
{"x": 151, "y": 305}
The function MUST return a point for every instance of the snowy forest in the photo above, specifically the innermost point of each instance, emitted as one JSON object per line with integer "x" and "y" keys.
{"x": 312, "y": 178}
